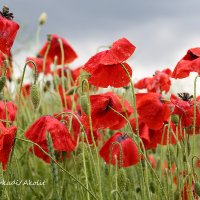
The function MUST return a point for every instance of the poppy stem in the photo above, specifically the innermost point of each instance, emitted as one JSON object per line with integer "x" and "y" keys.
{"x": 64, "y": 170}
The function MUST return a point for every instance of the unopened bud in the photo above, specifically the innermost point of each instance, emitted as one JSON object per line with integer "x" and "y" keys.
{"x": 84, "y": 103}
{"x": 2, "y": 82}
{"x": 197, "y": 188}
{"x": 121, "y": 179}
{"x": 175, "y": 119}
{"x": 35, "y": 96}
{"x": 42, "y": 18}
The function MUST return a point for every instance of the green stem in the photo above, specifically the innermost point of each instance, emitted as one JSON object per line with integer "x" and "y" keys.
{"x": 64, "y": 170}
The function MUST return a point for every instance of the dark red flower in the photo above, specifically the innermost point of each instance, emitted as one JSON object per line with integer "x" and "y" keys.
{"x": 39, "y": 64}
{"x": 7, "y": 136}
{"x": 158, "y": 83}
{"x": 106, "y": 68}
{"x": 8, "y": 111}
{"x": 184, "y": 108}
{"x": 189, "y": 63}
{"x": 61, "y": 138}
{"x": 102, "y": 114}
{"x": 55, "y": 50}
{"x": 153, "y": 109}
{"x": 8, "y": 31}
{"x": 110, "y": 151}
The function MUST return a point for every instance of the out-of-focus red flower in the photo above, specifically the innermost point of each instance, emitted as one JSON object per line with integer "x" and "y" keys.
{"x": 103, "y": 116}
{"x": 106, "y": 68}
{"x": 26, "y": 89}
{"x": 152, "y": 160}
{"x": 61, "y": 138}
{"x": 186, "y": 193}
{"x": 39, "y": 64}
{"x": 8, "y": 69}
{"x": 151, "y": 138}
{"x": 75, "y": 128}
{"x": 184, "y": 108}
{"x": 153, "y": 109}
{"x": 75, "y": 73}
{"x": 67, "y": 100}
{"x": 8, "y": 31}
{"x": 189, "y": 63}
{"x": 7, "y": 136}
{"x": 55, "y": 50}
{"x": 8, "y": 111}
{"x": 127, "y": 156}
{"x": 158, "y": 83}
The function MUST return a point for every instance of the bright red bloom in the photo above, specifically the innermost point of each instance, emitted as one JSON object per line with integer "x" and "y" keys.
{"x": 61, "y": 138}
{"x": 67, "y": 100}
{"x": 106, "y": 67}
{"x": 151, "y": 138}
{"x": 110, "y": 150}
{"x": 39, "y": 64}
{"x": 26, "y": 89}
{"x": 184, "y": 108}
{"x": 55, "y": 50}
{"x": 8, "y": 31}
{"x": 8, "y": 111}
{"x": 152, "y": 109}
{"x": 158, "y": 83}
{"x": 7, "y": 136}
{"x": 103, "y": 116}
{"x": 189, "y": 63}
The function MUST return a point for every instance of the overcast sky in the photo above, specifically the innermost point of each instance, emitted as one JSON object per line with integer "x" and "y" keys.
{"x": 162, "y": 31}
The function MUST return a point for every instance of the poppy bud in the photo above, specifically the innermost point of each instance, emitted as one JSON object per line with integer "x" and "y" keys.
{"x": 2, "y": 82}
{"x": 175, "y": 119}
{"x": 71, "y": 90}
{"x": 84, "y": 103}
{"x": 35, "y": 96}
{"x": 42, "y": 18}
{"x": 121, "y": 179}
{"x": 197, "y": 188}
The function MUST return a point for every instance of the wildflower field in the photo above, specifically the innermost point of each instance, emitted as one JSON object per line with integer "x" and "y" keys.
{"x": 93, "y": 132}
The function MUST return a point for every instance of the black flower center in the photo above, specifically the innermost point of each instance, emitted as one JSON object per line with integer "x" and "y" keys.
{"x": 122, "y": 137}
{"x": 5, "y": 13}
{"x": 185, "y": 96}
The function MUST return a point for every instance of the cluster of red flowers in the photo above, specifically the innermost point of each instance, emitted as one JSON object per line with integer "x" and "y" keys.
{"x": 154, "y": 118}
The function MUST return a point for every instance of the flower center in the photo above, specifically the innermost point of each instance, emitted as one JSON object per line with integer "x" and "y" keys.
{"x": 185, "y": 96}
{"x": 5, "y": 13}
{"x": 122, "y": 137}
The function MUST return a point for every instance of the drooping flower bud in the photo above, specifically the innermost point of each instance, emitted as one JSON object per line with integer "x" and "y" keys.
{"x": 197, "y": 188}
{"x": 42, "y": 19}
{"x": 175, "y": 119}
{"x": 84, "y": 104}
{"x": 35, "y": 96}
{"x": 2, "y": 82}
{"x": 122, "y": 180}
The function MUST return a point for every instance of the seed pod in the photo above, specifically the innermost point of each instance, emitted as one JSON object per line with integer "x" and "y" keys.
{"x": 175, "y": 119}
{"x": 84, "y": 104}
{"x": 35, "y": 96}
{"x": 197, "y": 188}
{"x": 121, "y": 180}
{"x": 2, "y": 82}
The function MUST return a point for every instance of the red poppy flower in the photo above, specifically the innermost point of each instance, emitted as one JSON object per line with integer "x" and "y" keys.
{"x": 189, "y": 63}
{"x": 9, "y": 69}
{"x": 39, "y": 64}
{"x": 158, "y": 83}
{"x": 111, "y": 151}
{"x": 8, "y": 111}
{"x": 55, "y": 50}
{"x": 152, "y": 109}
{"x": 67, "y": 100}
{"x": 26, "y": 89}
{"x": 61, "y": 138}
{"x": 75, "y": 128}
{"x": 106, "y": 63}
{"x": 102, "y": 115}
{"x": 7, "y": 136}
{"x": 184, "y": 108}
{"x": 151, "y": 138}
{"x": 8, "y": 31}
